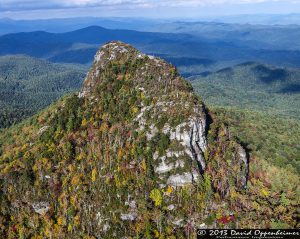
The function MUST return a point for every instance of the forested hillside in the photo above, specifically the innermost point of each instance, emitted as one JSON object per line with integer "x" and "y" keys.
{"x": 252, "y": 86}
{"x": 260, "y": 103}
{"x": 135, "y": 154}
{"x": 28, "y": 85}
{"x": 269, "y": 137}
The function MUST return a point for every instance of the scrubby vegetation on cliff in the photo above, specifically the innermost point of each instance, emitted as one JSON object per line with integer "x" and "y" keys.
{"x": 135, "y": 154}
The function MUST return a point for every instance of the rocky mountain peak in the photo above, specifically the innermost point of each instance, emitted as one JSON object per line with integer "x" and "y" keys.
{"x": 166, "y": 107}
{"x": 124, "y": 61}
{"x": 136, "y": 152}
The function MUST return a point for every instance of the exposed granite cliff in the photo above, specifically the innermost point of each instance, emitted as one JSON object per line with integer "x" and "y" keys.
{"x": 171, "y": 97}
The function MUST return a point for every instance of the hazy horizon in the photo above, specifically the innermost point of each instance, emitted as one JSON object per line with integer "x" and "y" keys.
{"x": 151, "y": 9}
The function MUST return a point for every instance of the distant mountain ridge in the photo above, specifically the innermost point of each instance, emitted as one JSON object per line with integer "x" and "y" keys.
{"x": 182, "y": 48}
{"x": 256, "y": 36}
{"x": 251, "y": 74}
{"x": 59, "y": 25}
{"x": 49, "y": 45}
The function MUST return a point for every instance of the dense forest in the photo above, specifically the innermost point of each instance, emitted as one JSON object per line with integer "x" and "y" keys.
{"x": 252, "y": 86}
{"x": 103, "y": 163}
{"x": 269, "y": 137}
{"x": 260, "y": 103}
{"x": 28, "y": 85}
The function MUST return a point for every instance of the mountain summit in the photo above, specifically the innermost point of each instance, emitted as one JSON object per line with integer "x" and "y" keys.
{"x": 135, "y": 153}
{"x": 165, "y": 105}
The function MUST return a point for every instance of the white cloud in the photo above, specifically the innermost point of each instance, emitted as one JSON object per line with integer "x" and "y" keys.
{"x": 11, "y": 5}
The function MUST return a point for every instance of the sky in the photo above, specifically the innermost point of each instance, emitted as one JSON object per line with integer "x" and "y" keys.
{"x": 31, "y": 9}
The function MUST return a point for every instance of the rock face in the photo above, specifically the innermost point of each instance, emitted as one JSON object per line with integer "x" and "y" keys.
{"x": 136, "y": 152}
{"x": 41, "y": 207}
{"x": 172, "y": 97}
{"x": 244, "y": 162}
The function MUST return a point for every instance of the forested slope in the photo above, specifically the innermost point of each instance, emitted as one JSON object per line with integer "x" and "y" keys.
{"x": 252, "y": 86}
{"x": 28, "y": 85}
